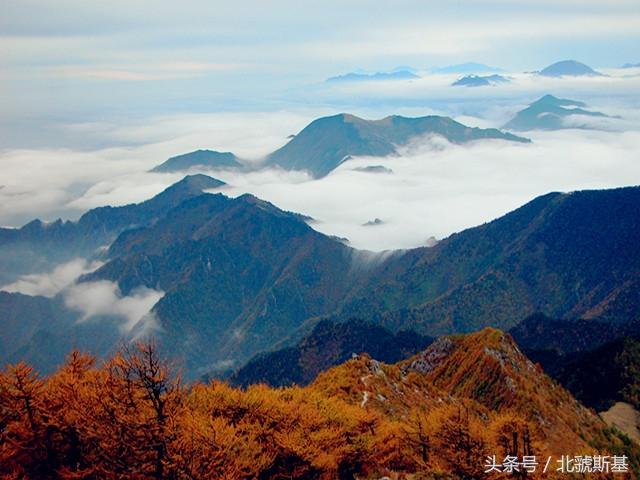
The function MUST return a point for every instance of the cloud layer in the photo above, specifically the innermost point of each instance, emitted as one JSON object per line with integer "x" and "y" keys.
{"x": 436, "y": 188}
{"x": 94, "y": 299}
{"x": 49, "y": 284}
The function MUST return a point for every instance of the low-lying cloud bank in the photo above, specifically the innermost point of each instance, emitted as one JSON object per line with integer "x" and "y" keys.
{"x": 44, "y": 183}
{"x": 94, "y": 299}
{"x": 49, "y": 284}
{"x": 435, "y": 188}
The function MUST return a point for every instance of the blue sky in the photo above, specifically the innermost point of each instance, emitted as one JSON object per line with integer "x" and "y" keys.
{"x": 89, "y": 61}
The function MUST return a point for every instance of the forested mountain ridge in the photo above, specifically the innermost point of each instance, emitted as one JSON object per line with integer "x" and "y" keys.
{"x": 240, "y": 275}
{"x": 329, "y": 344}
{"x": 38, "y": 245}
{"x": 570, "y": 255}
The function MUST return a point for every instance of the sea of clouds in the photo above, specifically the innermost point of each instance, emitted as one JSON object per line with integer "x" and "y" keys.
{"x": 430, "y": 188}
{"x": 435, "y": 188}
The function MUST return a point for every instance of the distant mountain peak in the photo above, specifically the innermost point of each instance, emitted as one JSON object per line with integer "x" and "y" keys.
{"x": 549, "y": 99}
{"x": 480, "y": 81}
{"x": 396, "y": 74}
{"x": 189, "y": 186}
{"x": 571, "y": 68}
{"x": 550, "y": 113}
{"x": 199, "y": 158}
{"x": 198, "y": 181}
{"x": 327, "y": 142}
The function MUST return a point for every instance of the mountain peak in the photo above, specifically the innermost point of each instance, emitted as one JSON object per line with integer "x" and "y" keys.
{"x": 189, "y": 186}
{"x": 327, "y": 142}
{"x": 485, "y": 369}
{"x": 549, "y": 99}
{"x": 480, "y": 81}
{"x": 198, "y": 181}
{"x": 570, "y": 68}
{"x": 199, "y": 158}
{"x": 550, "y": 113}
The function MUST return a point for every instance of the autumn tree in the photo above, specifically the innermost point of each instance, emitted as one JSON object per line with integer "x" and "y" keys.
{"x": 513, "y": 436}
{"x": 419, "y": 432}
{"x": 70, "y": 415}
{"x": 25, "y": 439}
{"x": 137, "y": 401}
{"x": 460, "y": 440}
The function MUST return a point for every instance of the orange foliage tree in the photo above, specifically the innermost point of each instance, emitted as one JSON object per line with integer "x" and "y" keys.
{"x": 130, "y": 417}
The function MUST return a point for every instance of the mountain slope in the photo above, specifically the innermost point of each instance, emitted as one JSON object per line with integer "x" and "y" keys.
{"x": 483, "y": 373}
{"x": 566, "y": 255}
{"x": 599, "y": 363}
{"x": 199, "y": 158}
{"x": 539, "y": 333}
{"x": 328, "y": 345}
{"x": 38, "y": 246}
{"x": 42, "y": 331}
{"x": 327, "y": 142}
{"x": 239, "y": 275}
{"x": 550, "y": 113}
{"x": 604, "y": 376}
{"x": 438, "y": 415}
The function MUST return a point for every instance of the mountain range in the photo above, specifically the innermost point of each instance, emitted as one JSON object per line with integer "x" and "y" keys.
{"x": 400, "y": 74}
{"x": 39, "y": 246}
{"x": 551, "y": 113}
{"x": 599, "y": 363}
{"x": 243, "y": 272}
{"x": 240, "y": 275}
{"x": 329, "y": 344}
{"x": 44, "y": 329}
{"x": 567, "y": 255}
{"x": 327, "y": 142}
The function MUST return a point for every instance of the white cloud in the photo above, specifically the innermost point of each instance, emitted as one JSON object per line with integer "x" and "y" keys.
{"x": 92, "y": 299}
{"x": 47, "y": 183}
{"x": 51, "y": 283}
{"x": 436, "y": 191}
{"x": 104, "y": 298}
{"x": 436, "y": 188}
